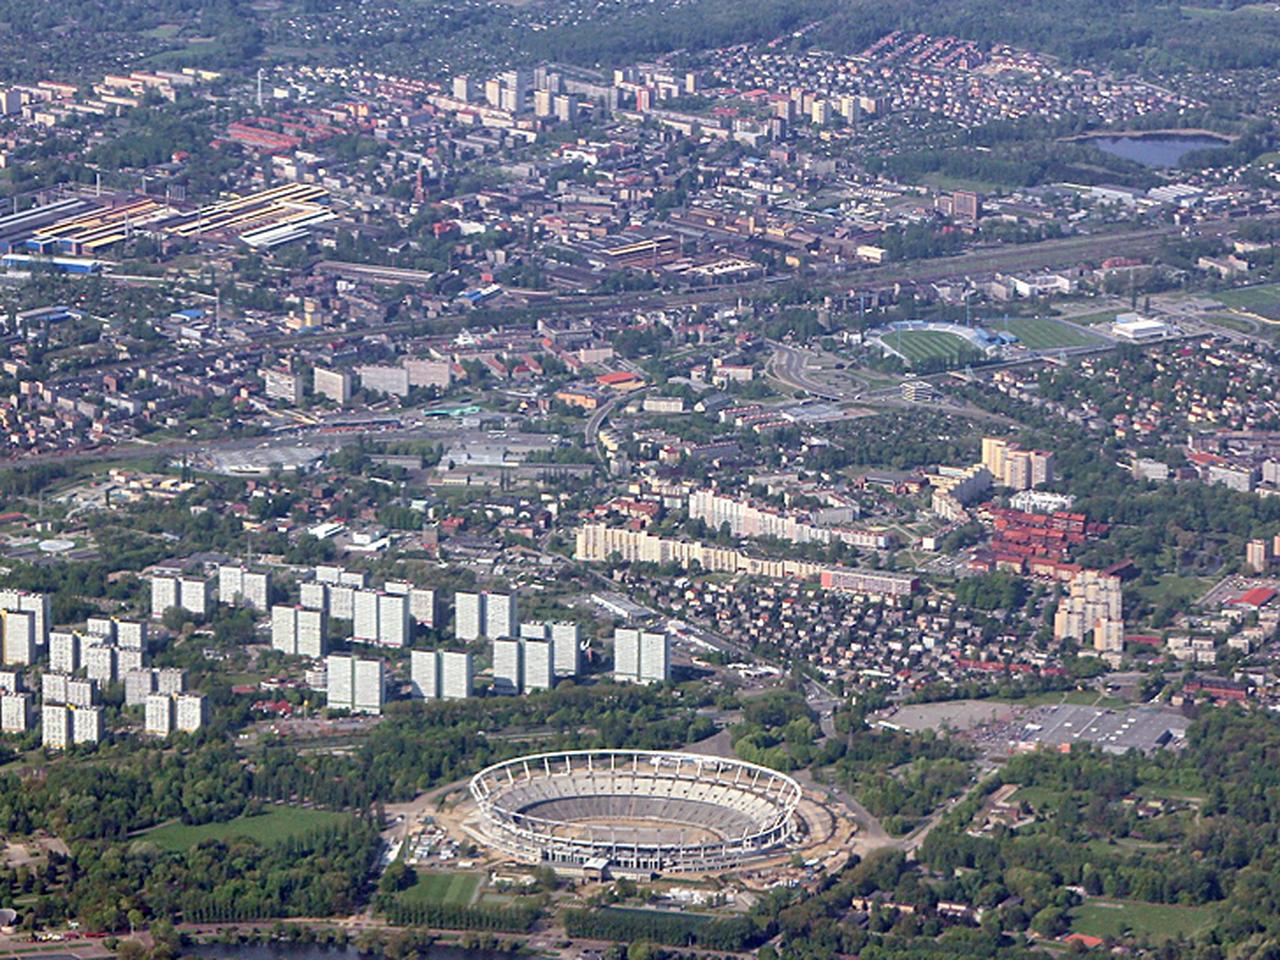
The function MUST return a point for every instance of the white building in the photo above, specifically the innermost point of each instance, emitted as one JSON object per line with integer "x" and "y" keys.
{"x": 296, "y": 631}
{"x": 63, "y": 726}
{"x": 239, "y": 584}
{"x": 314, "y": 596}
{"x": 508, "y": 667}
{"x": 641, "y": 656}
{"x": 424, "y": 674}
{"x": 159, "y": 719}
{"x": 566, "y": 639}
{"x": 191, "y": 594}
{"x": 15, "y": 712}
{"x": 500, "y": 617}
{"x": 138, "y": 685}
{"x": 19, "y": 642}
{"x": 455, "y": 675}
{"x": 539, "y": 673}
{"x": 64, "y": 652}
{"x": 395, "y": 628}
{"x": 36, "y": 604}
{"x": 131, "y": 634}
{"x": 534, "y": 630}
{"x": 422, "y": 601}
{"x": 355, "y": 684}
{"x": 189, "y": 711}
{"x": 103, "y": 627}
{"x": 55, "y": 726}
{"x": 468, "y": 616}
{"x": 86, "y": 724}
{"x": 100, "y": 663}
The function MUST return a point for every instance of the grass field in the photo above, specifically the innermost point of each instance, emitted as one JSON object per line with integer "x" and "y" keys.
{"x": 1039, "y": 797}
{"x": 273, "y": 826}
{"x": 1172, "y": 588}
{"x": 1041, "y": 333}
{"x": 920, "y": 345}
{"x": 1132, "y": 918}
{"x": 451, "y": 889}
{"x": 1263, "y": 300}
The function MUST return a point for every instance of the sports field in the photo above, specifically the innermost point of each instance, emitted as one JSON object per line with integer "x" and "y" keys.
{"x": 1263, "y": 300}
{"x": 1133, "y": 918}
{"x": 273, "y": 826}
{"x": 1041, "y": 333}
{"x": 921, "y": 345}
{"x": 449, "y": 889}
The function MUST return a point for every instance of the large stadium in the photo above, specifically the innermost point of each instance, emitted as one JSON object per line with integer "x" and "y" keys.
{"x": 635, "y": 811}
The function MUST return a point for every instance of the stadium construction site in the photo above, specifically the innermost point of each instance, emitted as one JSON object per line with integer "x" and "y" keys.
{"x": 639, "y": 812}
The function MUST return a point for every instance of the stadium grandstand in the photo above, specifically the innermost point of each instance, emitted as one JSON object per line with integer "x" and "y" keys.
{"x": 635, "y": 811}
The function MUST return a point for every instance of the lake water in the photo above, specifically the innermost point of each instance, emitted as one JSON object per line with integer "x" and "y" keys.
{"x": 1155, "y": 151}
{"x": 309, "y": 951}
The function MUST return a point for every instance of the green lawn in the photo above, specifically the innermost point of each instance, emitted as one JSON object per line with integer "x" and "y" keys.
{"x": 273, "y": 826}
{"x": 1041, "y": 333}
{"x": 457, "y": 889}
{"x": 1173, "y": 588}
{"x": 1133, "y": 918}
{"x": 920, "y": 345}
{"x": 1039, "y": 798}
{"x": 1263, "y": 300}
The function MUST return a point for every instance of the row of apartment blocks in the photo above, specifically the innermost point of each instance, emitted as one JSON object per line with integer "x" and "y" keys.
{"x": 541, "y": 655}
{"x": 599, "y": 543}
{"x": 338, "y": 385}
{"x": 70, "y": 712}
{"x": 746, "y": 519}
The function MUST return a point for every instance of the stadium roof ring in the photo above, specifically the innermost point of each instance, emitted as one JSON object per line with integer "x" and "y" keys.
{"x": 638, "y": 811}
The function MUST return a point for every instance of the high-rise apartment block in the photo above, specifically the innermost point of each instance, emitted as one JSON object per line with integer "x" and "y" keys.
{"x": 238, "y": 584}
{"x": 191, "y": 594}
{"x": 355, "y": 684}
{"x": 538, "y": 665}
{"x": 381, "y": 618}
{"x": 131, "y": 634}
{"x": 422, "y": 601}
{"x": 100, "y": 663}
{"x": 15, "y": 712}
{"x": 299, "y": 632}
{"x": 63, "y": 726}
{"x": 508, "y": 667}
{"x": 159, "y": 720}
{"x": 36, "y": 604}
{"x": 567, "y": 644}
{"x": 334, "y": 384}
{"x": 641, "y": 656}
{"x": 455, "y": 675}
{"x": 19, "y": 639}
{"x": 1013, "y": 467}
{"x": 1092, "y": 610}
{"x": 424, "y": 674}
{"x": 489, "y": 615}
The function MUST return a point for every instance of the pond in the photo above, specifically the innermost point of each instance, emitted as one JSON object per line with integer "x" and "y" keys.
{"x": 1161, "y": 150}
